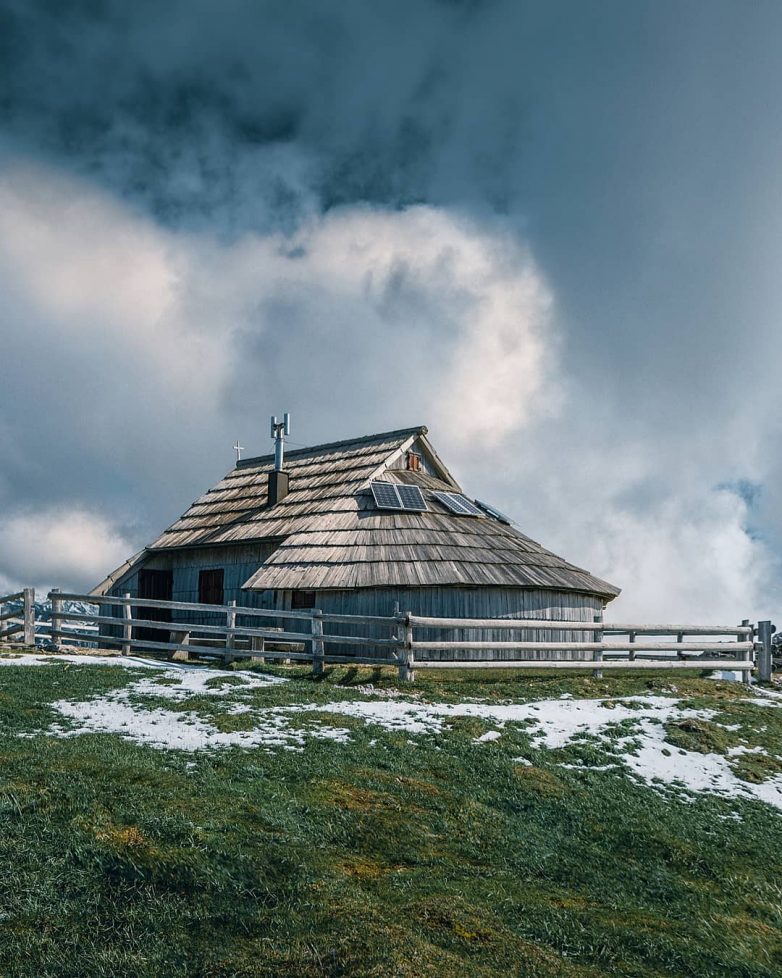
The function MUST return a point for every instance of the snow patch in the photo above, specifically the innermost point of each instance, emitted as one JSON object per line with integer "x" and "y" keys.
{"x": 488, "y": 736}
{"x": 191, "y": 679}
{"x": 631, "y": 730}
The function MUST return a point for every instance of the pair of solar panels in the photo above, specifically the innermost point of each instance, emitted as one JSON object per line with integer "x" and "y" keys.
{"x": 392, "y": 495}
{"x": 389, "y": 495}
{"x": 457, "y": 503}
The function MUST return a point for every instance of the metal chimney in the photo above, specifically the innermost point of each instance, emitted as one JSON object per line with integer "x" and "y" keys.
{"x": 279, "y": 429}
{"x": 278, "y": 480}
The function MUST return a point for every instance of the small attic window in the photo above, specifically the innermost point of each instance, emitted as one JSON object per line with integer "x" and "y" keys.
{"x": 413, "y": 462}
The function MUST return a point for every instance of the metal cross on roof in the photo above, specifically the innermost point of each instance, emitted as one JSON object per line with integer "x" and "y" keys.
{"x": 238, "y": 449}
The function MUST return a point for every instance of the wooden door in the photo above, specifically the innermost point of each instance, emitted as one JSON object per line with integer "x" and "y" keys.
{"x": 157, "y": 585}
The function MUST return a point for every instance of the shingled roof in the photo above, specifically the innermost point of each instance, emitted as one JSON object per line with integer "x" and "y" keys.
{"x": 323, "y": 482}
{"x": 332, "y": 535}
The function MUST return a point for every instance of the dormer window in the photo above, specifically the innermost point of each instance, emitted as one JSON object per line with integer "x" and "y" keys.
{"x": 413, "y": 462}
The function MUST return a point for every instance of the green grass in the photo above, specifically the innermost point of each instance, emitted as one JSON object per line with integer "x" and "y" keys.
{"x": 377, "y": 857}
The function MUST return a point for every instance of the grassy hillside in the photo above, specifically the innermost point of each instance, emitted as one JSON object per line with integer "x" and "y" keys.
{"x": 362, "y": 834}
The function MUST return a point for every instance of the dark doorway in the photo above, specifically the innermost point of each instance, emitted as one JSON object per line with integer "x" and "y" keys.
{"x": 158, "y": 585}
{"x": 302, "y": 600}
{"x": 210, "y": 586}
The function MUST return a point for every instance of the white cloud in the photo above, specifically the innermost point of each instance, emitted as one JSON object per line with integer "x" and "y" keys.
{"x": 483, "y": 346}
{"x": 680, "y": 547}
{"x": 98, "y": 281}
{"x": 432, "y": 309}
{"x": 450, "y": 316}
{"x": 689, "y": 559}
{"x": 59, "y": 547}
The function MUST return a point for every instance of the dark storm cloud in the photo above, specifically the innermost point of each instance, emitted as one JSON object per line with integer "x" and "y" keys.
{"x": 634, "y": 147}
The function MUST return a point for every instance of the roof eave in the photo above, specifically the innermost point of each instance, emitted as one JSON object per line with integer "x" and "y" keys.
{"x": 118, "y": 573}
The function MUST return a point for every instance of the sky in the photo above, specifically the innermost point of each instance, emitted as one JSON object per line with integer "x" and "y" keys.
{"x": 549, "y": 231}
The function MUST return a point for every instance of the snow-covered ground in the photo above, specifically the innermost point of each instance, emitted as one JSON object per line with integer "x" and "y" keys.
{"x": 630, "y": 731}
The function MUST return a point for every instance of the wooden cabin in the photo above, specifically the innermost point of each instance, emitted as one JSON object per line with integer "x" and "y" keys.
{"x": 359, "y": 527}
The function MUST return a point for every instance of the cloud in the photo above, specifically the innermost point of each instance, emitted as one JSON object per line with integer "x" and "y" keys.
{"x": 690, "y": 559}
{"x": 101, "y": 275}
{"x": 681, "y": 545}
{"x": 212, "y": 212}
{"x": 58, "y": 547}
{"x": 418, "y": 310}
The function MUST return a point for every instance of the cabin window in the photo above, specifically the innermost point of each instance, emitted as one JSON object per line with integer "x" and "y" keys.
{"x": 210, "y": 586}
{"x": 302, "y": 599}
{"x": 413, "y": 462}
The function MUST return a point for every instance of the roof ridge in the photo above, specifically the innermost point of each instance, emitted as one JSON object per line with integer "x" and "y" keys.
{"x": 314, "y": 449}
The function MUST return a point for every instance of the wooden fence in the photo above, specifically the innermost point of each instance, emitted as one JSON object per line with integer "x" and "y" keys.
{"x": 305, "y": 637}
{"x": 18, "y": 621}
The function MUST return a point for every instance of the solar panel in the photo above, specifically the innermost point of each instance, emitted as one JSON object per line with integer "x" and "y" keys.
{"x": 494, "y": 512}
{"x": 388, "y": 495}
{"x": 457, "y": 503}
{"x": 411, "y": 498}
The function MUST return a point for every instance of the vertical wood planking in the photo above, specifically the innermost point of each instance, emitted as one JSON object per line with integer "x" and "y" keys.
{"x": 463, "y": 602}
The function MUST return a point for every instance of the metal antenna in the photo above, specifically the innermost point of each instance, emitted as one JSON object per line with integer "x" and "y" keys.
{"x": 279, "y": 429}
{"x": 238, "y": 449}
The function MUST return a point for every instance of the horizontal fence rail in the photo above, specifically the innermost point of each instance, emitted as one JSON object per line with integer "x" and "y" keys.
{"x": 130, "y": 623}
{"x": 514, "y": 624}
{"x": 728, "y": 665}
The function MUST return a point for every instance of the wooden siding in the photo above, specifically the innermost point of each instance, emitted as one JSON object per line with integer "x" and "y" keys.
{"x": 461, "y": 602}
{"x": 446, "y": 602}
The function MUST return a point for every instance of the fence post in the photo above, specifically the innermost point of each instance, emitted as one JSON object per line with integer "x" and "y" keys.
{"x": 597, "y": 656}
{"x": 29, "y": 616}
{"x": 680, "y": 638}
{"x": 631, "y": 653}
{"x": 127, "y": 628}
{"x": 56, "y": 600}
{"x": 396, "y": 633}
{"x": 318, "y": 663}
{"x": 407, "y": 653}
{"x": 230, "y": 621}
{"x": 765, "y": 652}
{"x": 748, "y": 655}
{"x": 257, "y": 646}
